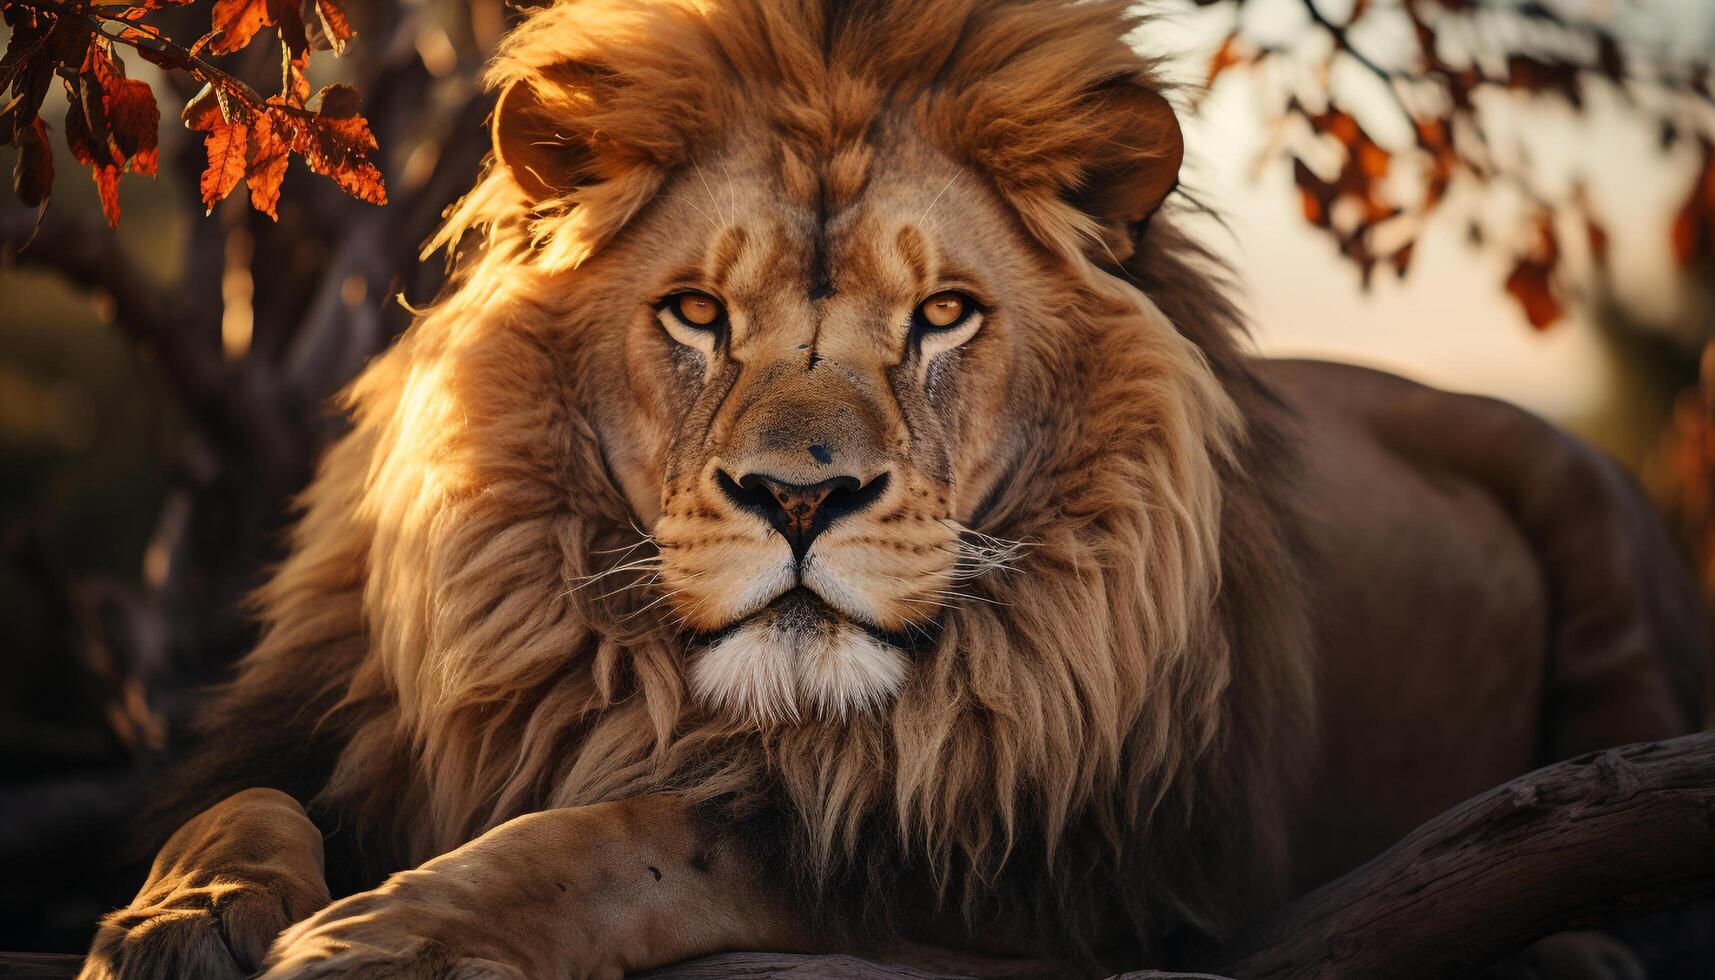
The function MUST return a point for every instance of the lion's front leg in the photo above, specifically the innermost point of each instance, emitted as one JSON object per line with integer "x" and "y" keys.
{"x": 221, "y": 889}
{"x": 590, "y": 891}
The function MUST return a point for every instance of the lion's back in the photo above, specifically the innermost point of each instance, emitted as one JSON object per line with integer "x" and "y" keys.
{"x": 1493, "y": 595}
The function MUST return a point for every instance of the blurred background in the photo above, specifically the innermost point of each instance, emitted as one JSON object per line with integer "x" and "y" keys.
{"x": 1515, "y": 198}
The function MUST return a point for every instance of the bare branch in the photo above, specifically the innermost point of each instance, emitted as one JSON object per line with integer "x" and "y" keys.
{"x": 1583, "y": 843}
{"x": 225, "y": 403}
{"x": 88, "y": 254}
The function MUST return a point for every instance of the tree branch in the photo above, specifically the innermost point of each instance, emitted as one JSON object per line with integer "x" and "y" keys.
{"x": 1584, "y": 843}
{"x": 223, "y": 403}
{"x": 88, "y": 254}
{"x": 1342, "y": 42}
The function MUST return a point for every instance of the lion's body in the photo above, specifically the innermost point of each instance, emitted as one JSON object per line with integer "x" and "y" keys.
{"x": 1243, "y": 626}
{"x": 1492, "y": 596}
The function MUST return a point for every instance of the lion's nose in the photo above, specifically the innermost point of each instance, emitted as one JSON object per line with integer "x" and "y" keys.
{"x": 801, "y": 511}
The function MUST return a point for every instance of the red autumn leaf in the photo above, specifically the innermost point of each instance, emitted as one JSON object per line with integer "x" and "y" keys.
{"x": 1598, "y": 238}
{"x": 1595, "y": 236}
{"x": 1691, "y": 225}
{"x": 107, "y": 186}
{"x": 1401, "y": 259}
{"x": 33, "y": 174}
{"x": 267, "y": 168}
{"x": 338, "y": 101}
{"x": 102, "y": 167}
{"x": 1531, "y": 281}
{"x": 87, "y": 101}
{"x": 29, "y": 40}
{"x": 333, "y": 24}
{"x": 1372, "y": 159}
{"x": 155, "y": 47}
{"x": 1315, "y": 194}
{"x": 1544, "y": 77}
{"x": 39, "y": 46}
{"x": 205, "y": 109}
{"x": 294, "y": 81}
{"x": 238, "y": 21}
{"x": 84, "y": 147}
{"x": 1226, "y": 56}
{"x": 290, "y": 16}
{"x": 227, "y": 144}
{"x": 1530, "y": 284}
{"x": 338, "y": 148}
{"x": 134, "y": 122}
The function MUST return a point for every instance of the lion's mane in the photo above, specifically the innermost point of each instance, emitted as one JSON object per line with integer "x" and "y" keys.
{"x": 1116, "y": 730}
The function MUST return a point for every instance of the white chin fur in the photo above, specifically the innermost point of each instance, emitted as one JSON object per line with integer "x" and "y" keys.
{"x": 769, "y": 673}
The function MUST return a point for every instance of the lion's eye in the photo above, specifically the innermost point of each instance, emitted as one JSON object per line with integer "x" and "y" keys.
{"x": 944, "y": 310}
{"x": 696, "y": 309}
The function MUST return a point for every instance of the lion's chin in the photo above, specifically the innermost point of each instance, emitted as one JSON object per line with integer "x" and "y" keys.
{"x": 797, "y": 656}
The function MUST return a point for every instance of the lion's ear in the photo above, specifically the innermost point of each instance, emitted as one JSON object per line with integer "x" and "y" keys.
{"x": 536, "y": 131}
{"x": 1128, "y": 174}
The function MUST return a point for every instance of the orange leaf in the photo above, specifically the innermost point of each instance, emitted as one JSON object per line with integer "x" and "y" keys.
{"x": 33, "y": 175}
{"x": 1530, "y": 284}
{"x": 1402, "y": 258}
{"x": 1226, "y": 56}
{"x": 107, "y": 185}
{"x": 204, "y": 111}
{"x": 334, "y": 25}
{"x": 338, "y": 101}
{"x": 226, "y": 145}
{"x": 135, "y": 122}
{"x": 338, "y": 147}
{"x": 80, "y": 141}
{"x": 264, "y": 182}
{"x": 238, "y": 21}
{"x": 289, "y": 14}
{"x": 1598, "y": 237}
{"x": 268, "y": 159}
{"x": 1691, "y": 231}
{"x": 294, "y": 83}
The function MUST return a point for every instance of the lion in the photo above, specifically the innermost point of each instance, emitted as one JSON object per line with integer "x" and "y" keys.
{"x": 833, "y": 506}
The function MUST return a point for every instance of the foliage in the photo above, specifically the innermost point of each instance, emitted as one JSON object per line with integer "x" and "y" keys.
{"x": 1454, "y": 62}
{"x": 111, "y": 122}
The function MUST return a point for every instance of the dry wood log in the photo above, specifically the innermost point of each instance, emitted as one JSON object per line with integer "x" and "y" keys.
{"x": 1576, "y": 845}
{"x": 1579, "y": 844}
{"x": 729, "y": 966}
{"x": 39, "y": 966}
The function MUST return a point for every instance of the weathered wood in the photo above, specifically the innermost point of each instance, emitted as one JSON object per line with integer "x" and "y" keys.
{"x": 1580, "y": 844}
{"x": 842, "y": 967}
{"x": 39, "y": 966}
{"x": 736, "y": 966}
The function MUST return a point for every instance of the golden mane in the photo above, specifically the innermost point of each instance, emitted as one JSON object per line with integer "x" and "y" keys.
{"x": 432, "y": 594}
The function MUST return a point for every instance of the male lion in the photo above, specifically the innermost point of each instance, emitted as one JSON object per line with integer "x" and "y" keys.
{"x": 831, "y": 507}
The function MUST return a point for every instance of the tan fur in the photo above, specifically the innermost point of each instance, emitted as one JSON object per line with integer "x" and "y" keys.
{"x": 481, "y": 490}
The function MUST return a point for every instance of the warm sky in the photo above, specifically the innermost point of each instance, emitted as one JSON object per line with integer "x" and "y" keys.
{"x": 1449, "y": 322}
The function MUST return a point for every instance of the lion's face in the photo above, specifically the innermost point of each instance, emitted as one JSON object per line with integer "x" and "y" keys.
{"x": 848, "y": 289}
{"x": 817, "y": 400}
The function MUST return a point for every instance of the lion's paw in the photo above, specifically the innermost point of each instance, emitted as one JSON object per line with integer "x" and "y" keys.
{"x": 398, "y": 932}
{"x": 328, "y": 957}
{"x": 213, "y": 932}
